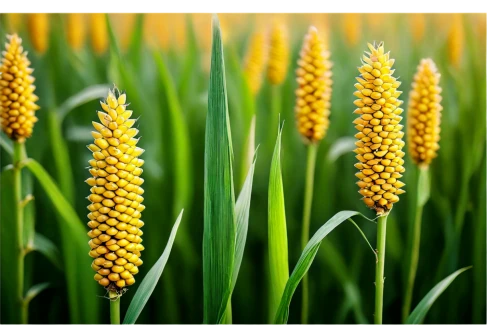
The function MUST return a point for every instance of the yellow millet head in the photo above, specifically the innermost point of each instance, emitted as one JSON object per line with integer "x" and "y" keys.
{"x": 17, "y": 98}
{"x": 278, "y": 54}
{"x": 98, "y": 33}
{"x": 38, "y": 27}
{"x": 424, "y": 113}
{"x": 116, "y": 195}
{"x": 75, "y": 30}
{"x": 380, "y": 137}
{"x": 314, "y": 76}
{"x": 352, "y": 28}
{"x": 255, "y": 61}
{"x": 456, "y": 40}
{"x": 417, "y": 21}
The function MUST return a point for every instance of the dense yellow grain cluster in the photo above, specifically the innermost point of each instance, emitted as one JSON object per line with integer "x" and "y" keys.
{"x": 417, "y": 22}
{"x": 255, "y": 61}
{"x": 75, "y": 30}
{"x": 98, "y": 33}
{"x": 380, "y": 137}
{"x": 352, "y": 28}
{"x": 38, "y": 27}
{"x": 456, "y": 40}
{"x": 314, "y": 77}
{"x": 424, "y": 113}
{"x": 17, "y": 98}
{"x": 116, "y": 196}
{"x": 278, "y": 54}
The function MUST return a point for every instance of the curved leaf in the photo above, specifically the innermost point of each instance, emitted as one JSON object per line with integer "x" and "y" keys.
{"x": 418, "y": 315}
{"x": 45, "y": 246}
{"x": 86, "y": 95}
{"x": 35, "y": 290}
{"x": 148, "y": 285}
{"x": 306, "y": 260}
{"x": 340, "y": 147}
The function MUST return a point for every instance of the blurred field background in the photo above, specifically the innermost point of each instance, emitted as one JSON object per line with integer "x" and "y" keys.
{"x": 69, "y": 58}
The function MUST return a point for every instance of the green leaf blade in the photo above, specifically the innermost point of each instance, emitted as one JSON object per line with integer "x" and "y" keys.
{"x": 219, "y": 203}
{"x": 277, "y": 231}
{"x": 45, "y": 246}
{"x": 148, "y": 285}
{"x": 418, "y": 315}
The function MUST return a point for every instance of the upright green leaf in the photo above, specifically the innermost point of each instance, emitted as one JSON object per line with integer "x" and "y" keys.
{"x": 82, "y": 97}
{"x": 305, "y": 262}
{"x": 418, "y": 315}
{"x": 277, "y": 233}
{"x": 219, "y": 215}
{"x": 148, "y": 285}
{"x": 82, "y": 289}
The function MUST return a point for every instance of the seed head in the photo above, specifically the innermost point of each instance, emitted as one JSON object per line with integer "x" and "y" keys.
{"x": 256, "y": 61}
{"x": 38, "y": 27}
{"x": 314, "y": 76}
{"x": 352, "y": 28}
{"x": 417, "y": 22}
{"x": 75, "y": 30}
{"x": 278, "y": 55}
{"x": 424, "y": 113}
{"x": 116, "y": 196}
{"x": 98, "y": 33}
{"x": 380, "y": 137}
{"x": 456, "y": 40}
{"x": 17, "y": 98}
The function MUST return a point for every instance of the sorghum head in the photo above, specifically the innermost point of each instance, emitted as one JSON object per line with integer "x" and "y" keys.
{"x": 278, "y": 54}
{"x": 255, "y": 61}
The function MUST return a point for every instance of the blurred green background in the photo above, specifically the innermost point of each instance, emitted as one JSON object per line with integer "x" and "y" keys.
{"x": 73, "y": 52}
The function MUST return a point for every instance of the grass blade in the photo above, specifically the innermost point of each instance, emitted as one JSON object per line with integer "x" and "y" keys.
{"x": 219, "y": 225}
{"x": 148, "y": 285}
{"x": 277, "y": 233}
{"x": 305, "y": 262}
{"x": 242, "y": 211}
{"x": 418, "y": 315}
{"x": 81, "y": 285}
{"x": 6, "y": 143}
{"x": 86, "y": 95}
{"x": 45, "y": 246}
{"x": 35, "y": 290}
{"x": 340, "y": 147}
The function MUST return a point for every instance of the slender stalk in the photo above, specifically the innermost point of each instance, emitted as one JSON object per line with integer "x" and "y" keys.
{"x": 312, "y": 149}
{"x": 19, "y": 156}
{"x": 275, "y": 108}
{"x": 417, "y": 227}
{"x": 379, "y": 275}
{"x": 114, "y": 307}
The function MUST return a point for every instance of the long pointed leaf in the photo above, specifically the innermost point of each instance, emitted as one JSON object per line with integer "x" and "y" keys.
{"x": 86, "y": 95}
{"x": 219, "y": 225}
{"x": 35, "y": 290}
{"x": 277, "y": 232}
{"x": 45, "y": 246}
{"x": 148, "y": 285}
{"x": 306, "y": 260}
{"x": 418, "y": 315}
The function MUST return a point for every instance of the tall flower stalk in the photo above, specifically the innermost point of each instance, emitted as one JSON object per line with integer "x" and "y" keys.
{"x": 424, "y": 127}
{"x": 17, "y": 113}
{"x": 116, "y": 199}
{"x": 255, "y": 61}
{"x": 379, "y": 147}
{"x": 312, "y": 110}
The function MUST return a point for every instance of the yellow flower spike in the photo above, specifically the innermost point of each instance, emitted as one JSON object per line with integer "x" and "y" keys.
{"x": 75, "y": 30}
{"x": 417, "y": 22}
{"x": 116, "y": 198}
{"x": 314, "y": 76}
{"x": 255, "y": 61}
{"x": 456, "y": 40}
{"x": 424, "y": 114}
{"x": 380, "y": 137}
{"x": 38, "y": 27}
{"x": 98, "y": 33}
{"x": 278, "y": 54}
{"x": 352, "y": 28}
{"x": 17, "y": 98}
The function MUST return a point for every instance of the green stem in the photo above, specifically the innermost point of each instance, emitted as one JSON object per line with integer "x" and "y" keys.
{"x": 228, "y": 316}
{"x": 114, "y": 303}
{"x": 379, "y": 275}
{"x": 417, "y": 226}
{"x": 312, "y": 149}
{"x": 19, "y": 156}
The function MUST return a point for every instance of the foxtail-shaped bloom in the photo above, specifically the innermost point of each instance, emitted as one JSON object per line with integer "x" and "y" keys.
{"x": 417, "y": 22}
{"x": 98, "y": 33}
{"x": 255, "y": 61}
{"x": 424, "y": 113}
{"x": 38, "y": 27}
{"x": 278, "y": 54}
{"x": 75, "y": 30}
{"x": 314, "y": 76}
{"x": 17, "y": 98}
{"x": 352, "y": 28}
{"x": 380, "y": 143}
{"x": 456, "y": 40}
{"x": 116, "y": 195}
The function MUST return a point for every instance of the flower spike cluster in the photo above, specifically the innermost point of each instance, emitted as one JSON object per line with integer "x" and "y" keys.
{"x": 17, "y": 98}
{"x": 380, "y": 137}
{"x": 255, "y": 61}
{"x": 424, "y": 114}
{"x": 314, "y": 77}
{"x": 278, "y": 55}
{"x": 116, "y": 196}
